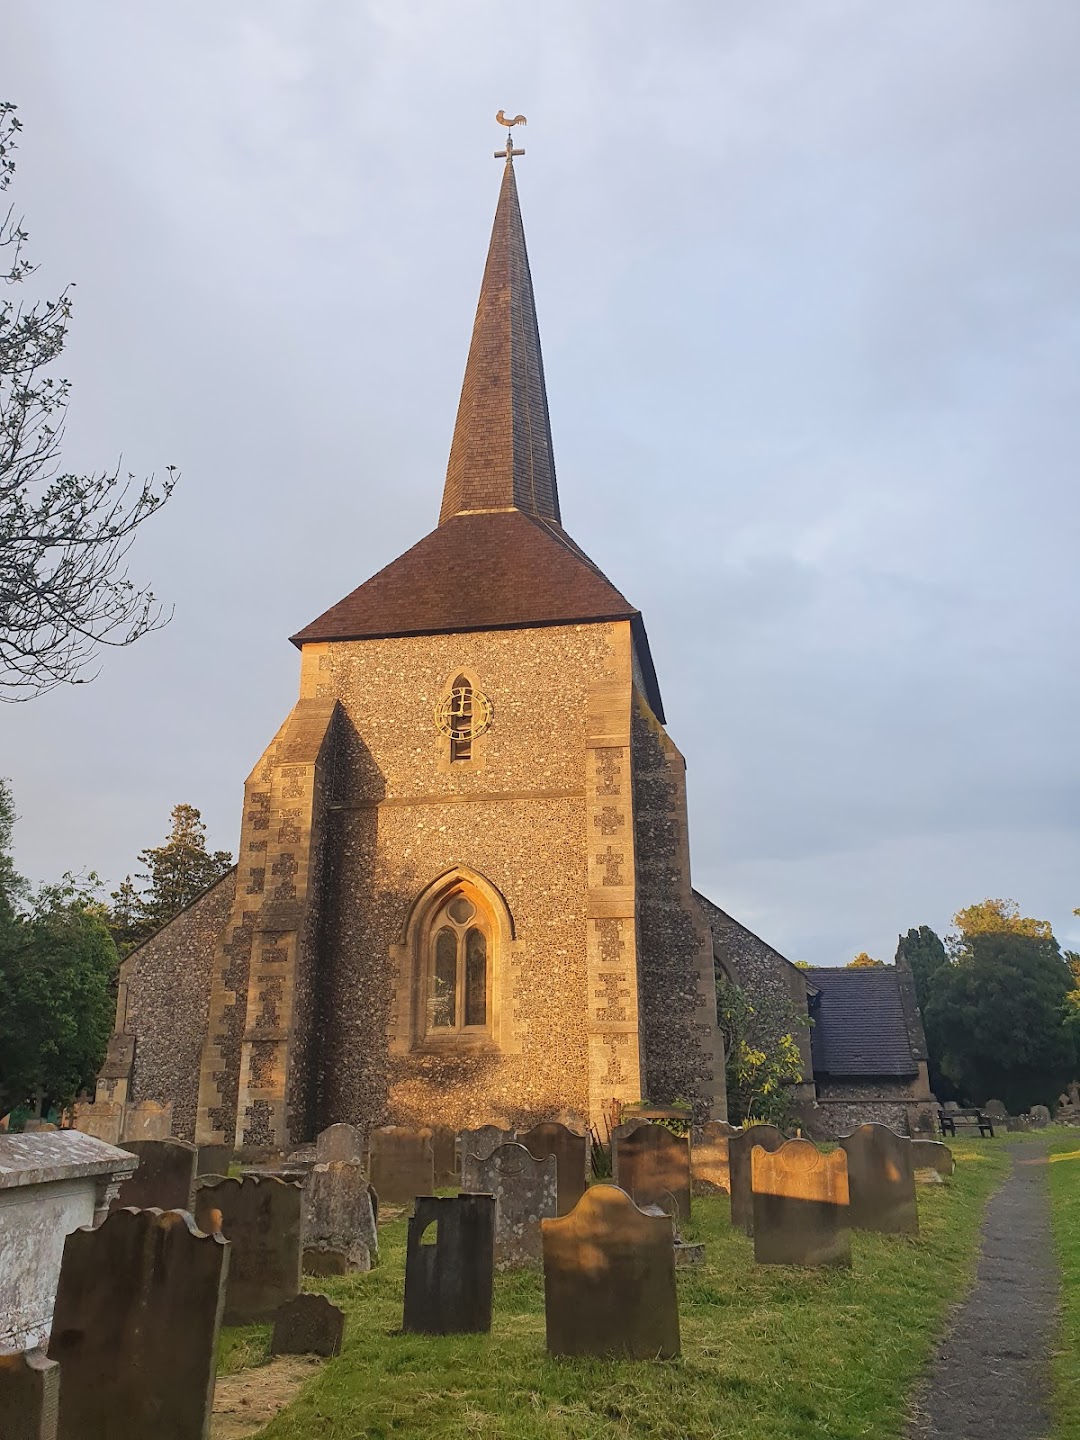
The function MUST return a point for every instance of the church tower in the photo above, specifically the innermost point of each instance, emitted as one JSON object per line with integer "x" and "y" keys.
{"x": 463, "y": 887}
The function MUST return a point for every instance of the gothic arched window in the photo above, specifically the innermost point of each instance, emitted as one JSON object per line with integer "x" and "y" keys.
{"x": 459, "y": 947}
{"x": 463, "y": 714}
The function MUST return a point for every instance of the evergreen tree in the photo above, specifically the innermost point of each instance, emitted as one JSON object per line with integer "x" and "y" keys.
{"x": 176, "y": 873}
{"x": 13, "y": 888}
{"x": 924, "y": 954}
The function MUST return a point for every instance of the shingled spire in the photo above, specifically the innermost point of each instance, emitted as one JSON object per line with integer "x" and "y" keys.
{"x": 501, "y": 456}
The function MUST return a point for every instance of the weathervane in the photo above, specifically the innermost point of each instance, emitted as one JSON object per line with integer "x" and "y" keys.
{"x": 509, "y": 152}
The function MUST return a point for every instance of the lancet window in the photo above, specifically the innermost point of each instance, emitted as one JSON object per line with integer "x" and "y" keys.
{"x": 458, "y": 972}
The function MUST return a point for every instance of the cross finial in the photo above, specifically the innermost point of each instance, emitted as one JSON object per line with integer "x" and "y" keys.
{"x": 509, "y": 152}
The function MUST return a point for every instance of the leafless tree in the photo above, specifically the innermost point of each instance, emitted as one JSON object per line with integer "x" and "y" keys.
{"x": 64, "y": 539}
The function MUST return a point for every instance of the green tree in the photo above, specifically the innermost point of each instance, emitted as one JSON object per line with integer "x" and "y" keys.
{"x": 763, "y": 1057}
{"x": 863, "y": 961}
{"x": 1000, "y": 1012}
{"x": 64, "y": 538}
{"x": 57, "y": 965}
{"x": 998, "y": 917}
{"x": 176, "y": 873}
{"x": 923, "y": 951}
{"x": 13, "y": 887}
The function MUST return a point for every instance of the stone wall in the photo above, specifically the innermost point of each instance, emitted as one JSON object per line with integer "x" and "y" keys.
{"x": 829, "y": 1119}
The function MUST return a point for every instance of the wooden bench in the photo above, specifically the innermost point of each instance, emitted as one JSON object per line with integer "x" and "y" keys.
{"x": 967, "y": 1119}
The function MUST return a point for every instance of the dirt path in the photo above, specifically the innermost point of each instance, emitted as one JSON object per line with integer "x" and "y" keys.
{"x": 245, "y": 1402}
{"x": 989, "y": 1379}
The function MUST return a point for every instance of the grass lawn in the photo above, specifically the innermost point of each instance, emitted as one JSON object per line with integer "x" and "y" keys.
{"x": 1065, "y": 1208}
{"x": 767, "y": 1353}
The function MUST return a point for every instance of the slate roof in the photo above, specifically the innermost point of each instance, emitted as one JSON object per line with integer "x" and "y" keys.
{"x": 860, "y": 1028}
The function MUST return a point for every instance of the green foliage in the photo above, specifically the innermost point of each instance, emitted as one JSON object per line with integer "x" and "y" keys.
{"x": 176, "y": 874}
{"x": 998, "y": 917}
{"x": 1064, "y": 1177}
{"x": 13, "y": 888}
{"x": 924, "y": 954}
{"x": 863, "y": 961}
{"x": 763, "y": 1057}
{"x": 57, "y": 965}
{"x": 1000, "y": 1014}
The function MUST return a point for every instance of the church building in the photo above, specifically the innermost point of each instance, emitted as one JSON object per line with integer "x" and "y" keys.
{"x": 463, "y": 887}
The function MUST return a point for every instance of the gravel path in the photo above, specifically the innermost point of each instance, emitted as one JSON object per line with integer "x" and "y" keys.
{"x": 989, "y": 1378}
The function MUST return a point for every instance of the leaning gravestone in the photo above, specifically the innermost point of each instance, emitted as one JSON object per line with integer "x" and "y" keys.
{"x": 800, "y": 1206}
{"x": 262, "y": 1219}
{"x": 526, "y": 1192}
{"x": 569, "y": 1149}
{"x": 709, "y": 1157}
{"x": 449, "y": 1273}
{"x": 165, "y": 1177}
{"x": 650, "y": 1163}
{"x": 609, "y": 1280}
{"x": 308, "y": 1325}
{"x": 881, "y": 1181}
{"x": 339, "y": 1219}
{"x": 402, "y": 1164}
{"x": 339, "y": 1142}
{"x": 740, "y": 1146}
{"x": 932, "y": 1155}
{"x": 29, "y": 1396}
{"x": 135, "y": 1328}
{"x": 482, "y": 1141}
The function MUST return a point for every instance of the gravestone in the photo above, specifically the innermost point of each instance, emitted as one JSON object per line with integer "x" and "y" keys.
{"x": 29, "y": 1396}
{"x": 932, "y": 1155}
{"x": 526, "y": 1192}
{"x": 339, "y": 1219}
{"x": 450, "y": 1265}
{"x": 146, "y": 1121}
{"x": 308, "y": 1325}
{"x": 569, "y": 1149}
{"x": 768, "y": 1137}
{"x": 262, "y": 1218}
{"x": 650, "y": 1162}
{"x": 995, "y": 1109}
{"x": 444, "y": 1150}
{"x": 402, "y": 1164}
{"x": 709, "y": 1157}
{"x": 626, "y": 1127}
{"x": 135, "y": 1328}
{"x": 213, "y": 1160}
{"x": 1040, "y": 1116}
{"x": 881, "y": 1181}
{"x": 165, "y": 1177}
{"x": 37, "y": 1127}
{"x": 800, "y": 1205}
{"x": 103, "y": 1119}
{"x": 609, "y": 1280}
{"x": 339, "y": 1143}
{"x": 482, "y": 1141}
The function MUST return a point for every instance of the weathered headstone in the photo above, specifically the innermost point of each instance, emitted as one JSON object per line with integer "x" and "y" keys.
{"x": 569, "y": 1149}
{"x": 37, "y": 1127}
{"x": 996, "y": 1109}
{"x": 308, "y": 1325}
{"x": 482, "y": 1141}
{"x": 626, "y": 1127}
{"x": 444, "y": 1150}
{"x": 402, "y": 1164}
{"x": 165, "y": 1177}
{"x": 339, "y": 1218}
{"x": 146, "y": 1121}
{"x": 29, "y": 1396}
{"x": 800, "y": 1205}
{"x": 103, "y": 1119}
{"x": 262, "y": 1218}
{"x": 526, "y": 1192}
{"x": 339, "y": 1142}
{"x": 932, "y": 1155}
{"x": 651, "y": 1162}
{"x": 609, "y": 1280}
{"x": 1040, "y": 1116}
{"x": 768, "y": 1137}
{"x": 881, "y": 1181}
{"x": 709, "y": 1157}
{"x": 450, "y": 1265}
{"x": 135, "y": 1328}
{"x": 213, "y": 1160}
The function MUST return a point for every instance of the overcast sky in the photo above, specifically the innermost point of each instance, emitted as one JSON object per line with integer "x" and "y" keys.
{"x": 808, "y": 277}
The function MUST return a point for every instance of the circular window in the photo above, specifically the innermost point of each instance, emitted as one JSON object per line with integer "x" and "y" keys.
{"x": 464, "y": 713}
{"x": 460, "y": 910}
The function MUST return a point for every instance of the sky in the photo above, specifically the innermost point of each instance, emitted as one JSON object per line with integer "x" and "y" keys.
{"x": 808, "y": 280}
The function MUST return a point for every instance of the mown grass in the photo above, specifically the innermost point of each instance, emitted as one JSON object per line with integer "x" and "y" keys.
{"x": 767, "y": 1353}
{"x": 1064, "y": 1175}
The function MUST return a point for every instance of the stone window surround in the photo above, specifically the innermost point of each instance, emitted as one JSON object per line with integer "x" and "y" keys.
{"x": 447, "y": 761}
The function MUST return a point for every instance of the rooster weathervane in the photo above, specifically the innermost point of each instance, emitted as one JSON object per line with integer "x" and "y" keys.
{"x": 509, "y": 152}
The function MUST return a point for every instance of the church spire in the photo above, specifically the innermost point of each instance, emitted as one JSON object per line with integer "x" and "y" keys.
{"x": 501, "y": 453}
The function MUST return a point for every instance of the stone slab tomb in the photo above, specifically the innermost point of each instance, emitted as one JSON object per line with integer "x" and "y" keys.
{"x": 800, "y": 1205}
{"x": 932, "y": 1155}
{"x": 709, "y": 1157}
{"x": 526, "y": 1191}
{"x": 263, "y": 1220}
{"x": 29, "y": 1396}
{"x": 308, "y": 1325}
{"x": 609, "y": 1280}
{"x": 135, "y": 1330}
{"x": 339, "y": 1143}
{"x": 651, "y": 1163}
{"x": 450, "y": 1265}
{"x": 402, "y": 1164}
{"x": 881, "y": 1181}
{"x": 570, "y": 1151}
{"x": 768, "y": 1137}
{"x": 339, "y": 1220}
{"x": 165, "y": 1176}
{"x": 482, "y": 1141}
